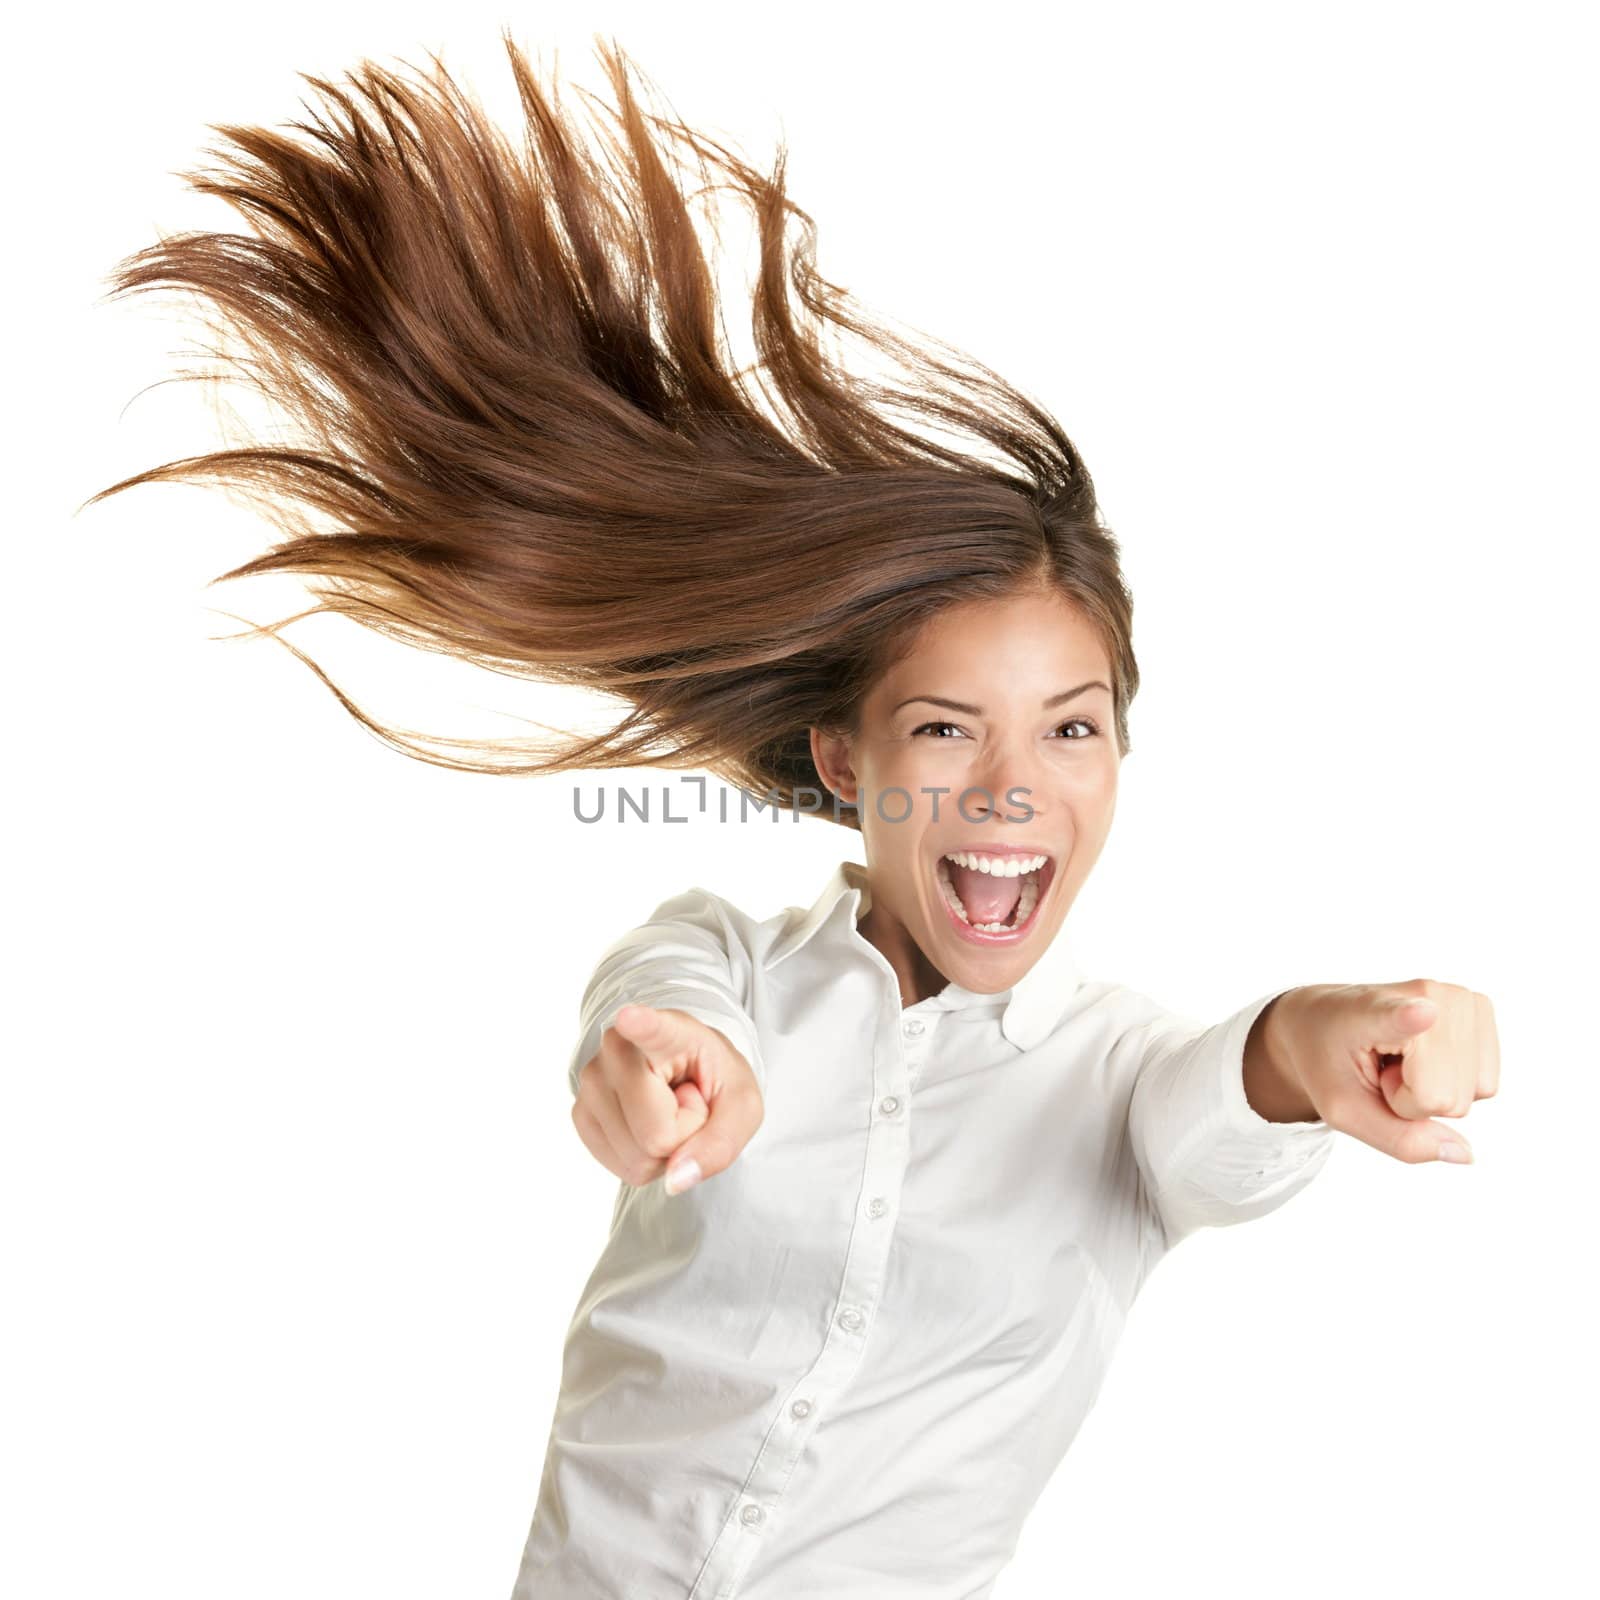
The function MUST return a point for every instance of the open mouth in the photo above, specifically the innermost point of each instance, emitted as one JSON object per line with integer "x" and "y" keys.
{"x": 994, "y": 896}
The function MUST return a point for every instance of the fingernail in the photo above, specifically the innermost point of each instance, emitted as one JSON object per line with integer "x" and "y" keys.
{"x": 683, "y": 1176}
{"x": 1451, "y": 1151}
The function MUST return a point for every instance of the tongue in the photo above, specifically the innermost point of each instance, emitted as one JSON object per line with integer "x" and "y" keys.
{"x": 987, "y": 898}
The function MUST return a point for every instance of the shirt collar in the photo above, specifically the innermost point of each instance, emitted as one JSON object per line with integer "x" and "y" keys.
{"x": 1033, "y": 1005}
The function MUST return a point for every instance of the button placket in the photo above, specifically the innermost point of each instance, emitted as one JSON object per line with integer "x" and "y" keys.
{"x": 915, "y": 1035}
{"x": 866, "y": 1254}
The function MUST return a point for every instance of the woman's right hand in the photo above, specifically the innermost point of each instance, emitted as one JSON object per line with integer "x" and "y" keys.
{"x": 665, "y": 1093}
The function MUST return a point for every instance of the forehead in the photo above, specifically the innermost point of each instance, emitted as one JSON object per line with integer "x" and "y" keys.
{"x": 1011, "y": 648}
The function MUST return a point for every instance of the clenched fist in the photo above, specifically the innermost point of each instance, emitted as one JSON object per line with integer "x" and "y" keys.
{"x": 665, "y": 1093}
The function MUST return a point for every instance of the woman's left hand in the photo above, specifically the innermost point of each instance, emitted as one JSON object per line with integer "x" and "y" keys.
{"x": 1377, "y": 1060}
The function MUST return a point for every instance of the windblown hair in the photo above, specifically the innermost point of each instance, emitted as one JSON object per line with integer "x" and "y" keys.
{"x": 532, "y": 451}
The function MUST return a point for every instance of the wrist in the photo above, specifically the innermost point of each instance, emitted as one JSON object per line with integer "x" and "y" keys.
{"x": 1271, "y": 1084}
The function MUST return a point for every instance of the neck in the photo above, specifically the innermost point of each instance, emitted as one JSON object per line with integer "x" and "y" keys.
{"x": 919, "y": 979}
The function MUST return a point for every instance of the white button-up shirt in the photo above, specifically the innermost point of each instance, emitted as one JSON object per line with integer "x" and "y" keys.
{"x": 846, "y": 1366}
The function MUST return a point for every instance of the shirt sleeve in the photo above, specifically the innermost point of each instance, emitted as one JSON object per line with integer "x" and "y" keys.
{"x": 687, "y": 956}
{"x": 1208, "y": 1158}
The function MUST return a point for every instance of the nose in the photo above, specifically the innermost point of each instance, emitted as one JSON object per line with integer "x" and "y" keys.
{"x": 1007, "y": 776}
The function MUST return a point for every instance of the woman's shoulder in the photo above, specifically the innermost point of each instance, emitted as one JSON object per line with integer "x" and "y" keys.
{"x": 747, "y": 936}
{"x": 1118, "y": 1019}
{"x": 763, "y": 936}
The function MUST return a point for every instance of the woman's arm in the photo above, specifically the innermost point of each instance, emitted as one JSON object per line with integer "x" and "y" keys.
{"x": 1207, "y": 1154}
{"x": 1227, "y": 1122}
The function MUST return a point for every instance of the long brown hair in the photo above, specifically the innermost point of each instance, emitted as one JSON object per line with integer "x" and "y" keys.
{"x": 531, "y": 450}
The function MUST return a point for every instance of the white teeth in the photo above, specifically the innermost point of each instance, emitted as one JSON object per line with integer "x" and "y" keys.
{"x": 1026, "y": 902}
{"x": 996, "y": 866}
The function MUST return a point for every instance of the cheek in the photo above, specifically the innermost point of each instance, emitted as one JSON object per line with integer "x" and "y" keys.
{"x": 1100, "y": 787}
{"x": 1086, "y": 799}
{"x": 913, "y": 769}
{"x": 1086, "y": 788}
{"x": 909, "y": 763}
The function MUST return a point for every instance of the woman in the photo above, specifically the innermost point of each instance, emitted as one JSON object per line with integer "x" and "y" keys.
{"x": 914, "y": 1168}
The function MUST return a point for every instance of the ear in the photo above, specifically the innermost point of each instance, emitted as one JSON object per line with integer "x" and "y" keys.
{"x": 830, "y": 755}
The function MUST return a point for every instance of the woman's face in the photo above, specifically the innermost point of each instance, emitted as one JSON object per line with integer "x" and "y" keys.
{"x": 1009, "y": 703}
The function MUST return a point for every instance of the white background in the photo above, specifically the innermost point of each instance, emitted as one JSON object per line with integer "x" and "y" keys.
{"x": 295, "y": 1217}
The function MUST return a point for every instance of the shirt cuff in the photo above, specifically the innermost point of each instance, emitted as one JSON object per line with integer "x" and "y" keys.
{"x": 1208, "y": 1157}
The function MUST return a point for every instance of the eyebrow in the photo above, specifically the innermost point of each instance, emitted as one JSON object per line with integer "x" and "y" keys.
{"x": 977, "y": 711}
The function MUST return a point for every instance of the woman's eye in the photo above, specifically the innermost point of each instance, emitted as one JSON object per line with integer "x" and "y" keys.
{"x": 1091, "y": 729}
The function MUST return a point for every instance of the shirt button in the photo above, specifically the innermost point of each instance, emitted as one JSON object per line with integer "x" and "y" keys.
{"x": 850, "y": 1319}
{"x": 751, "y": 1515}
{"x": 889, "y": 1104}
{"x": 801, "y": 1408}
{"x": 877, "y": 1206}
{"x": 913, "y": 1027}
